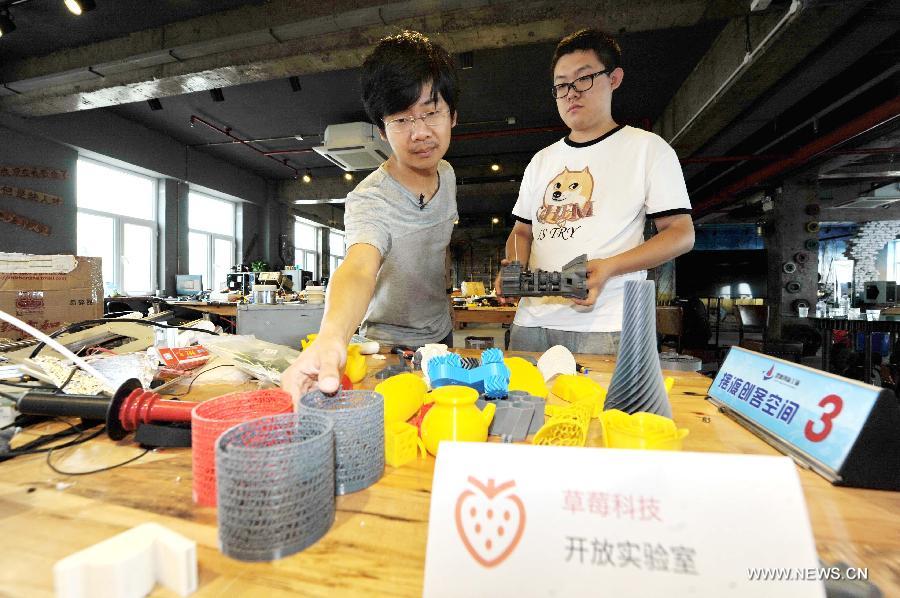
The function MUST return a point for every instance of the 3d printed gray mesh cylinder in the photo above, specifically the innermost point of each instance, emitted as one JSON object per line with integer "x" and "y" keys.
{"x": 275, "y": 486}
{"x": 637, "y": 382}
{"x": 358, "y": 417}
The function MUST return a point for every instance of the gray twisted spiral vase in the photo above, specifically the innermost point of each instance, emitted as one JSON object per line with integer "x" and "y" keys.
{"x": 637, "y": 382}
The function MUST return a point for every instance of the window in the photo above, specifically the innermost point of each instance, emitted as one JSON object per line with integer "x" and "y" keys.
{"x": 337, "y": 247}
{"x": 211, "y": 245}
{"x": 116, "y": 221}
{"x": 893, "y": 261}
{"x": 306, "y": 247}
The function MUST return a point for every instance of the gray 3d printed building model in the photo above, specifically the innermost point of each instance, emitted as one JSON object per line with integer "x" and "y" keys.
{"x": 571, "y": 281}
{"x": 637, "y": 382}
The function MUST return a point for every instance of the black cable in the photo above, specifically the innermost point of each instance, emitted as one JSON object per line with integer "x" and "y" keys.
{"x": 28, "y": 448}
{"x": 194, "y": 379}
{"x": 34, "y": 387}
{"x": 91, "y": 471}
{"x": 26, "y": 385}
{"x": 69, "y": 378}
{"x": 78, "y": 325}
{"x": 111, "y": 314}
{"x": 10, "y": 397}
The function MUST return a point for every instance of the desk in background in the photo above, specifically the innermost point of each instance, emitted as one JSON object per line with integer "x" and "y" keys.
{"x": 483, "y": 315}
{"x": 218, "y": 308}
{"x": 377, "y": 543}
{"x": 889, "y": 324}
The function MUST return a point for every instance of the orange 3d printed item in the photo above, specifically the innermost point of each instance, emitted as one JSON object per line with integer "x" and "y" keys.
{"x": 403, "y": 396}
{"x": 525, "y": 376}
{"x": 210, "y": 419}
{"x": 454, "y": 416}
{"x": 640, "y": 431}
{"x": 573, "y": 388}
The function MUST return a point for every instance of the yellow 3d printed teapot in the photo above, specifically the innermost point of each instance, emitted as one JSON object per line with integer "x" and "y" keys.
{"x": 454, "y": 416}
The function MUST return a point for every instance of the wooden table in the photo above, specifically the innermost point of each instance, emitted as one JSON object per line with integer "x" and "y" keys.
{"x": 483, "y": 315}
{"x": 377, "y": 543}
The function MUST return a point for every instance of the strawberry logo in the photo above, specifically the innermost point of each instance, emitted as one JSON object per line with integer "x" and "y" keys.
{"x": 490, "y": 520}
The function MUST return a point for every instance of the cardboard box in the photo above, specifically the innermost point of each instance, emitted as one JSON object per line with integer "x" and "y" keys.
{"x": 49, "y": 292}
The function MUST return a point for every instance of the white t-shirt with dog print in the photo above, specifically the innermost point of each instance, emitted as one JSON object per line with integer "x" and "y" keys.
{"x": 594, "y": 198}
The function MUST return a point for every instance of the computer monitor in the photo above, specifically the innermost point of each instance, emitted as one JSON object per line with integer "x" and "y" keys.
{"x": 188, "y": 285}
{"x": 305, "y": 278}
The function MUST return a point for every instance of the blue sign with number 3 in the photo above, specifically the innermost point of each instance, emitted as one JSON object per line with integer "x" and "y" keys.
{"x": 818, "y": 413}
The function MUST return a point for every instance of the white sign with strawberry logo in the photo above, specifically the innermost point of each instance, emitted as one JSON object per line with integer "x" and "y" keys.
{"x": 539, "y": 521}
{"x": 490, "y": 519}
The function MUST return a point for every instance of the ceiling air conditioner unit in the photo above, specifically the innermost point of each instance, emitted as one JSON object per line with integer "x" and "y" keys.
{"x": 354, "y": 146}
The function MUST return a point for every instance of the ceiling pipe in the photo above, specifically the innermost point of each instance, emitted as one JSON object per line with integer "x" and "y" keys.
{"x": 859, "y": 90}
{"x": 877, "y": 116}
{"x": 227, "y": 132}
{"x": 748, "y": 59}
{"x": 758, "y": 157}
{"x": 282, "y": 138}
{"x": 304, "y": 150}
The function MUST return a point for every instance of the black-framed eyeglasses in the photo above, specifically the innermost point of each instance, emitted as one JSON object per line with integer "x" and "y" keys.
{"x": 580, "y": 84}
{"x": 408, "y": 123}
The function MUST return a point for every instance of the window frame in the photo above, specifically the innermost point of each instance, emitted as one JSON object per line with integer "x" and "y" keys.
{"x": 303, "y": 251}
{"x": 335, "y": 260}
{"x": 211, "y": 239}
{"x": 120, "y": 221}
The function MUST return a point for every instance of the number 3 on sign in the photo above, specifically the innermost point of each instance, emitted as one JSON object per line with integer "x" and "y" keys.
{"x": 836, "y": 404}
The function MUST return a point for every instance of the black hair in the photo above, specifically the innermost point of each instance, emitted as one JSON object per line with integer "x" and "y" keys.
{"x": 394, "y": 74}
{"x": 604, "y": 46}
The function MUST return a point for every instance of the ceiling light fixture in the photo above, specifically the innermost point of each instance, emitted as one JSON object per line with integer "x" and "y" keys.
{"x": 76, "y": 7}
{"x": 495, "y": 220}
{"x": 495, "y": 167}
{"x": 6, "y": 22}
{"x": 348, "y": 176}
{"x": 307, "y": 176}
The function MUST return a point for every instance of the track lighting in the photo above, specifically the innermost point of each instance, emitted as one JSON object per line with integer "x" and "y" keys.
{"x": 76, "y": 7}
{"x": 6, "y": 22}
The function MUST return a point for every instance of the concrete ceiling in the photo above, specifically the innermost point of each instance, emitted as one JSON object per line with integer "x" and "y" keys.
{"x": 718, "y": 81}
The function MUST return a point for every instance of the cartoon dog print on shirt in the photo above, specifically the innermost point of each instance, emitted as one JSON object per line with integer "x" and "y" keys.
{"x": 567, "y": 198}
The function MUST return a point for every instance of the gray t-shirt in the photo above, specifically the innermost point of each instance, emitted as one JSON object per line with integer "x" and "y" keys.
{"x": 410, "y": 304}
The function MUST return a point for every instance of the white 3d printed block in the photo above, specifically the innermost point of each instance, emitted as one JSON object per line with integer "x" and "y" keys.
{"x": 129, "y": 565}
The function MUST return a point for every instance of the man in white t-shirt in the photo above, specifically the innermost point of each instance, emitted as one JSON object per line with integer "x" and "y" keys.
{"x": 591, "y": 193}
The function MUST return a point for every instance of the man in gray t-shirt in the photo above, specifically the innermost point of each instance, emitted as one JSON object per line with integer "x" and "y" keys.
{"x": 410, "y": 305}
{"x": 398, "y": 220}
